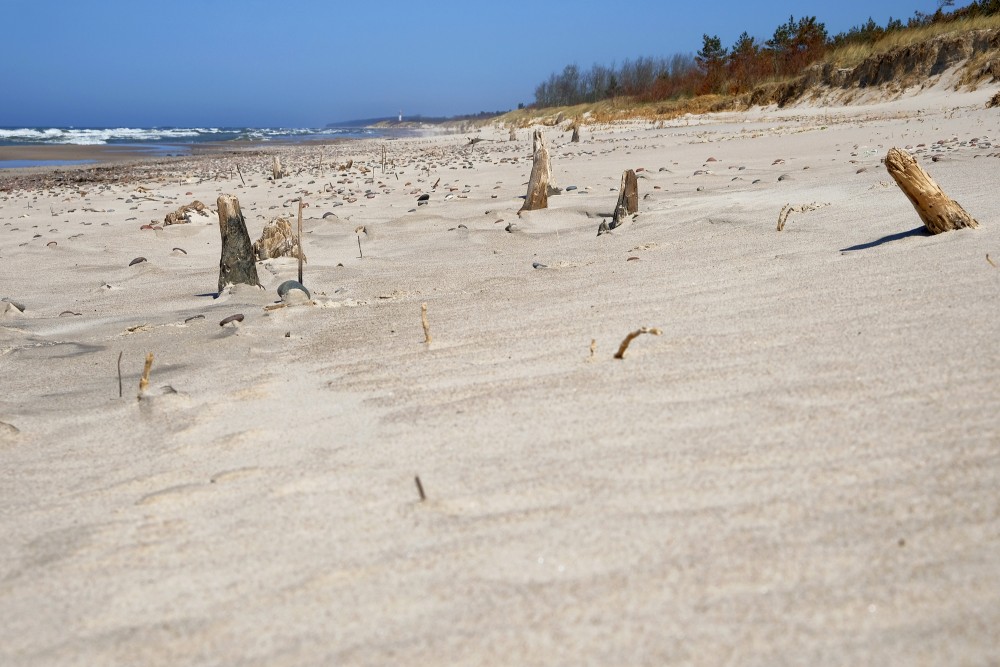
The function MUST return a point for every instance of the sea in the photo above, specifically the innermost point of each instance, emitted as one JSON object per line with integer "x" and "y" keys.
{"x": 167, "y": 141}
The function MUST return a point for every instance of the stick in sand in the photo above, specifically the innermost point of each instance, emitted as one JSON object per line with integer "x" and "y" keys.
{"x": 144, "y": 380}
{"x": 120, "y": 373}
{"x": 420, "y": 488}
{"x": 300, "y": 242}
{"x": 620, "y": 354}
{"x": 427, "y": 326}
{"x": 241, "y": 174}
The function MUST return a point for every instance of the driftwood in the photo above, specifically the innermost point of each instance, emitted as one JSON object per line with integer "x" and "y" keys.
{"x": 276, "y": 171}
{"x": 939, "y": 212}
{"x": 183, "y": 214}
{"x": 575, "y": 139}
{"x": 628, "y": 199}
{"x": 513, "y": 135}
{"x": 236, "y": 265}
{"x": 539, "y": 183}
{"x": 276, "y": 240}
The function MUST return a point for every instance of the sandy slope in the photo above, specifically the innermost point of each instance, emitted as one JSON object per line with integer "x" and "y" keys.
{"x": 803, "y": 468}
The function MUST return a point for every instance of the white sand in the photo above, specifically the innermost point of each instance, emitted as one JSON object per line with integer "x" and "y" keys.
{"x": 803, "y": 469}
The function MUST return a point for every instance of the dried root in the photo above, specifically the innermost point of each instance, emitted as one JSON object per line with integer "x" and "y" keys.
{"x": 788, "y": 209}
{"x": 620, "y": 354}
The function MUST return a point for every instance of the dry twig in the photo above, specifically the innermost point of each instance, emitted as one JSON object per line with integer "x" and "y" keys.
{"x": 144, "y": 380}
{"x": 620, "y": 354}
{"x": 423, "y": 321}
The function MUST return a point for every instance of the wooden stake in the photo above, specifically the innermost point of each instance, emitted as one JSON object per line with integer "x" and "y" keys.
{"x": 361, "y": 255}
{"x": 236, "y": 265}
{"x": 144, "y": 380}
{"x": 939, "y": 212}
{"x": 541, "y": 174}
{"x": 628, "y": 199}
{"x": 425, "y": 323}
{"x": 300, "y": 242}
{"x": 240, "y": 172}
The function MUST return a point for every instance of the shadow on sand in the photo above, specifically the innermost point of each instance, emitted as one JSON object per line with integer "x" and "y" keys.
{"x": 918, "y": 231}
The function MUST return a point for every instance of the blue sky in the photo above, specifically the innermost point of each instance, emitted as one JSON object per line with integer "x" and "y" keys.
{"x": 304, "y": 63}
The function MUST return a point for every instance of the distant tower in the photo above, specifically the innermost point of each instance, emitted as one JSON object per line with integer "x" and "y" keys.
{"x": 400, "y": 115}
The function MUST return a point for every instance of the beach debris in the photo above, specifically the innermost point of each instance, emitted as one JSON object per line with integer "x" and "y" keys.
{"x": 137, "y": 260}
{"x": 292, "y": 291}
{"x": 120, "y": 373}
{"x": 992, "y": 263}
{"x": 593, "y": 349}
{"x": 301, "y": 256}
{"x": 423, "y": 199}
{"x": 184, "y": 214}
{"x": 512, "y": 136}
{"x": 276, "y": 171}
{"x": 420, "y": 488}
{"x": 539, "y": 265}
{"x": 788, "y": 209}
{"x": 276, "y": 240}
{"x": 603, "y": 228}
{"x": 193, "y": 318}
{"x": 540, "y": 184}
{"x": 236, "y": 263}
{"x": 628, "y": 199}
{"x": 144, "y": 380}
{"x": 425, "y": 323}
{"x": 238, "y": 317}
{"x": 510, "y": 228}
{"x": 51, "y": 244}
{"x": 10, "y": 308}
{"x": 575, "y": 138}
{"x": 939, "y": 212}
{"x": 620, "y": 354}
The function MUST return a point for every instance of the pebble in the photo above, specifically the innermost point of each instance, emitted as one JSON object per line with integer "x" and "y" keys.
{"x": 137, "y": 260}
{"x": 292, "y": 291}
{"x": 538, "y": 265}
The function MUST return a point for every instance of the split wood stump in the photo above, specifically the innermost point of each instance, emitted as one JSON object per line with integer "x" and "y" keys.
{"x": 236, "y": 265}
{"x": 276, "y": 171}
{"x": 539, "y": 183}
{"x": 575, "y": 139}
{"x": 939, "y": 212}
{"x": 628, "y": 198}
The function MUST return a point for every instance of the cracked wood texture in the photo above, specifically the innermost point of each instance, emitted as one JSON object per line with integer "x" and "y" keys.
{"x": 939, "y": 212}
{"x": 236, "y": 265}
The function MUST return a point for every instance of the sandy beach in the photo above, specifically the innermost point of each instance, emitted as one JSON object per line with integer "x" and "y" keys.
{"x": 802, "y": 469}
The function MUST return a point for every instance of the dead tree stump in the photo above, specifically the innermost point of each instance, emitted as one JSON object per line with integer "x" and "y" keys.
{"x": 513, "y": 135}
{"x": 628, "y": 198}
{"x": 939, "y": 212}
{"x": 539, "y": 183}
{"x": 575, "y": 139}
{"x": 236, "y": 265}
{"x": 276, "y": 171}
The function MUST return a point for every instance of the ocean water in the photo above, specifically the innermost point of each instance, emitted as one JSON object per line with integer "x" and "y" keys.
{"x": 176, "y": 136}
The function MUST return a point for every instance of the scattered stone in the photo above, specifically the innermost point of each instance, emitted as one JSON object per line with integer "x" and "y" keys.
{"x": 137, "y": 260}
{"x": 292, "y": 291}
{"x": 238, "y": 317}
{"x": 538, "y": 265}
{"x": 511, "y": 227}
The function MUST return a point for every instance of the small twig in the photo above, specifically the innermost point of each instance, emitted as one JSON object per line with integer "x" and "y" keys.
{"x": 788, "y": 209}
{"x": 238, "y": 171}
{"x": 144, "y": 380}
{"x": 420, "y": 488}
{"x": 361, "y": 255}
{"x": 992, "y": 263}
{"x": 620, "y": 354}
{"x": 593, "y": 349}
{"x": 120, "y": 373}
{"x": 423, "y": 320}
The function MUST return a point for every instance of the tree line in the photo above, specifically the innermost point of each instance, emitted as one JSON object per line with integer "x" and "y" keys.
{"x": 715, "y": 69}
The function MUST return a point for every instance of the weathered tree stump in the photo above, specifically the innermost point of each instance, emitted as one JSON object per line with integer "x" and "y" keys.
{"x": 539, "y": 183}
{"x": 276, "y": 171}
{"x": 628, "y": 198}
{"x": 513, "y": 134}
{"x": 939, "y": 212}
{"x": 575, "y": 139}
{"x": 236, "y": 265}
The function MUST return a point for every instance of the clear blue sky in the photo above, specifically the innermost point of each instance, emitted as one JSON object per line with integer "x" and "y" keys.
{"x": 304, "y": 63}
